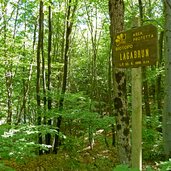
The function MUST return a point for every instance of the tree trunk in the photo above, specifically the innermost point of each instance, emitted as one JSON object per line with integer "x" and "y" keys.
{"x": 8, "y": 73}
{"x": 159, "y": 91}
{"x": 69, "y": 25}
{"x": 145, "y": 82}
{"x": 23, "y": 105}
{"x": 95, "y": 38}
{"x": 116, "y": 12}
{"x": 110, "y": 97}
{"x": 167, "y": 112}
{"x": 48, "y": 136}
{"x": 39, "y": 118}
{"x": 43, "y": 66}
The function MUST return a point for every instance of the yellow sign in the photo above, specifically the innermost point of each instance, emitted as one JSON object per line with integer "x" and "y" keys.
{"x": 136, "y": 47}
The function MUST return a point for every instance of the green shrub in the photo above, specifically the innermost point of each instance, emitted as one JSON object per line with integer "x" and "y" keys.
{"x": 5, "y": 168}
{"x": 21, "y": 141}
{"x": 166, "y": 165}
{"x": 124, "y": 168}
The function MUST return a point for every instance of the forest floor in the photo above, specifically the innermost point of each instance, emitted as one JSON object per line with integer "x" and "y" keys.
{"x": 87, "y": 160}
{"x": 72, "y": 157}
{"x": 83, "y": 161}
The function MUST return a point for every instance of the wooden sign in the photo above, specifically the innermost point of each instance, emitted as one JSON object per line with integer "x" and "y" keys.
{"x": 136, "y": 47}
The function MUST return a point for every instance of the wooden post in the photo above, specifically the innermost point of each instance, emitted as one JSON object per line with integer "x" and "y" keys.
{"x": 137, "y": 118}
{"x": 136, "y": 113}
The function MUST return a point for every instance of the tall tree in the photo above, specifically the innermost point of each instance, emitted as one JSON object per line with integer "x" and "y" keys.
{"x": 159, "y": 77}
{"x": 93, "y": 35}
{"x": 8, "y": 63}
{"x": 116, "y": 12}
{"x": 69, "y": 25}
{"x": 48, "y": 136}
{"x": 167, "y": 112}
{"x": 39, "y": 48}
{"x": 145, "y": 82}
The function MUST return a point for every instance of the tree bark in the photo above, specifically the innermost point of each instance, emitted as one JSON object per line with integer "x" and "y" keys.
{"x": 39, "y": 47}
{"x": 159, "y": 89}
{"x": 8, "y": 67}
{"x": 167, "y": 112}
{"x": 116, "y": 12}
{"x": 49, "y": 122}
{"x": 69, "y": 24}
{"x": 145, "y": 82}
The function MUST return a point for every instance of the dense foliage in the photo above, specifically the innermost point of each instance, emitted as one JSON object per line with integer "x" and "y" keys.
{"x": 76, "y": 105}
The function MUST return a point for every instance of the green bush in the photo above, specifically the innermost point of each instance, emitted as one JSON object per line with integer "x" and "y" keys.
{"x": 124, "y": 168}
{"x": 5, "y": 168}
{"x": 21, "y": 141}
{"x": 166, "y": 165}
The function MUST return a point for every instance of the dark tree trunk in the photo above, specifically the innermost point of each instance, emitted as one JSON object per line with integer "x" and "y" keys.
{"x": 145, "y": 82}
{"x": 159, "y": 91}
{"x": 39, "y": 47}
{"x": 49, "y": 122}
{"x": 69, "y": 24}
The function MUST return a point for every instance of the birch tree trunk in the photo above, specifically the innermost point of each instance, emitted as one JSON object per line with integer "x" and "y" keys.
{"x": 167, "y": 112}
{"x": 116, "y": 12}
